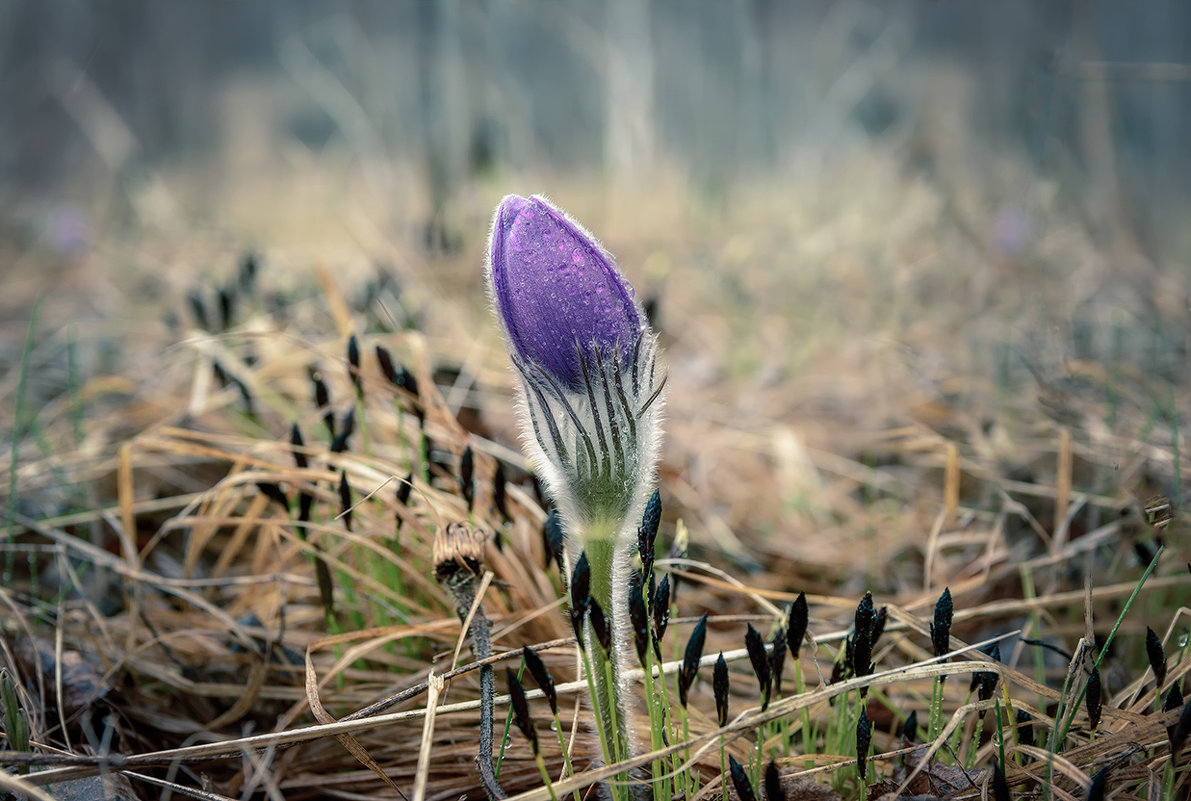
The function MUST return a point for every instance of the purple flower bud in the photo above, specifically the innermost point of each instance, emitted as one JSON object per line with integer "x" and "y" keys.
{"x": 591, "y": 394}
{"x": 558, "y": 293}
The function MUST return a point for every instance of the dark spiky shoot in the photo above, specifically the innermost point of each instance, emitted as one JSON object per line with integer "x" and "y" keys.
{"x": 879, "y": 625}
{"x": 580, "y": 595}
{"x": 1178, "y": 733}
{"x": 647, "y": 532}
{"x": 305, "y": 507}
{"x": 1099, "y": 787}
{"x": 1000, "y": 786}
{"x": 553, "y": 539}
{"x": 777, "y": 658}
{"x": 247, "y": 274}
{"x": 402, "y": 379}
{"x": 940, "y": 640}
{"x": 245, "y": 396}
{"x": 984, "y": 682}
{"x": 353, "y": 366}
{"x": 395, "y": 374}
{"x": 1174, "y": 698}
{"x": 322, "y": 573}
{"x": 863, "y": 629}
{"x": 500, "y": 491}
{"x": 467, "y": 469}
{"x": 521, "y": 714}
{"x": 719, "y": 688}
{"x": 339, "y": 444}
{"x": 740, "y": 781}
{"x": 542, "y": 676}
{"x": 226, "y": 300}
{"x": 322, "y": 400}
{"x": 404, "y": 489}
{"x": 345, "y": 500}
{"x": 797, "y": 622}
{"x": 864, "y": 739}
{"x": 661, "y": 614}
{"x": 910, "y": 727}
{"x": 384, "y": 360}
{"x": 599, "y": 626}
{"x": 638, "y": 617}
{"x": 1157, "y": 656}
{"x": 272, "y": 490}
{"x": 760, "y": 662}
{"x": 799, "y": 619}
{"x": 407, "y": 381}
{"x": 220, "y": 374}
{"x": 691, "y": 658}
{"x": 1025, "y": 728}
{"x": 298, "y": 447}
{"x": 773, "y": 783}
{"x": 198, "y": 309}
{"x": 940, "y": 627}
{"x": 1093, "y": 699}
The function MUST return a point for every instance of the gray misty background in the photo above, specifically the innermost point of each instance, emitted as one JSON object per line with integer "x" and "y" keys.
{"x": 146, "y": 112}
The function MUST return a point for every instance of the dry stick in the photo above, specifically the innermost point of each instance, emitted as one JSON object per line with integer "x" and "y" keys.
{"x": 480, "y": 632}
{"x": 458, "y": 550}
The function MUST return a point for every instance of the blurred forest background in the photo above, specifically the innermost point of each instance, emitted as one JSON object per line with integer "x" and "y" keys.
{"x": 165, "y": 114}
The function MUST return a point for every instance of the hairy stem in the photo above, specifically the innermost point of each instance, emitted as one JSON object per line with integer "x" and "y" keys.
{"x": 609, "y": 586}
{"x": 481, "y": 637}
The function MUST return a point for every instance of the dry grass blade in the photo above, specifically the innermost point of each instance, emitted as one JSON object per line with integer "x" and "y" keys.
{"x": 23, "y": 789}
{"x": 349, "y": 742}
{"x": 426, "y": 749}
{"x": 1060, "y": 763}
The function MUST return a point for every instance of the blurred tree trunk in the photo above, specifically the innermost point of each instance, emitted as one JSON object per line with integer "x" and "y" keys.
{"x": 629, "y": 124}
{"x": 442, "y": 102}
{"x": 755, "y": 141}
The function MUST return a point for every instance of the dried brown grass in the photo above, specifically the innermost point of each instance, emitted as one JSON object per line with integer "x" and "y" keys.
{"x": 864, "y": 394}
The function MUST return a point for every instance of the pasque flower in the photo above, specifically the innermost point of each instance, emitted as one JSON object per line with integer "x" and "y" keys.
{"x": 590, "y": 394}
{"x": 586, "y": 358}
